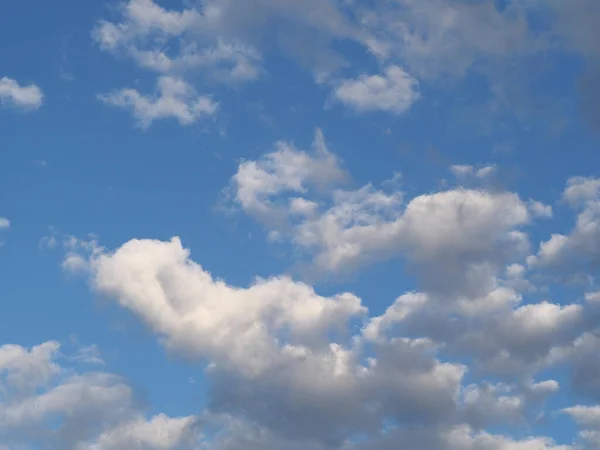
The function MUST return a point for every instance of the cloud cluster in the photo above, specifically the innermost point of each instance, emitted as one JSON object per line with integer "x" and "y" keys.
{"x": 318, "y": 370}
{"x": 461, "y": 235}
{"x": 410, "y": 42}
{"x": 576, "y": 254}
{"x": 46, "y": 404}
{"x": 469, "y": 351}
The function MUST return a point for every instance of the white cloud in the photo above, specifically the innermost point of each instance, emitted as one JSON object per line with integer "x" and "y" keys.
{"x": 436, "y": 41}
{"x": 159, "y": 433}
{"x": 395, "y": 91}
{"x": 218, "y": 38}
{"x": 215, "y": 325}
{"x": 143, "y": 17}
{"x": 27, "y": 98}
{"x": 580, "y": 190}
{"x": 287, "y": 170}
{"x": 4, "y": 223}
{"x": 288, "y": 339}
{"x": 279, "y": 340}
{"x": 297, "y": 369}
{"x": 441, "y": 37}
{"x": 173, "y": 98}
{"x": 539, "y": 209}
{"x": 226, "y": 62}
{"x": 587, "y": 417}
{"x": 95, "y": 410}
{"x": 147, "y": 25}
{"x": 575, "y": 253}
{"x": 455, "y": 239}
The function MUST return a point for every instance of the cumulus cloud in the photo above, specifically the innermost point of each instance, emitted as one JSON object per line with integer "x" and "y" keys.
{"x": 455, "y": 239}
{"x": 394, "y": 91}
{"x": 174, "y": 98}
{"x": 447, "y": 37}
{"x": 470, "y": 350}
{"x": 258, "y": 185}
{"x": 575, "y": 254}
{"x": 44, "y": 403}
{"x": 26, "y": 98}
{"x": 296, "y": 369}
{"x": 159, "y": 433}
{"x": 580, "y": 190}
{"x": 436, "y": 42}
{"x": 291, "y": 368}
{"x": 4, "y": 223}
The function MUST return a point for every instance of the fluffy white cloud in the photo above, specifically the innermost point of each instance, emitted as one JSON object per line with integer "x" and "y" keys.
{"x": 44, "y": 403}
{"x": 575, "y": 254}
{"x": 221, "y": 37}
{"x": 580, "y": 190}
{"x": 173, "y": 98}
{"x": 282, "y": 340}
{"x": 27, "y": 98}
{"x": 589, "y": 418}
{"x": 458, "y": 235}
{"x": 435, "y": 41}
{"x": 290, "y": 370}
{"x": 159, "y": 433}
{"x": 454, "y": 239}
{"x": 146, "y": 25}
{"x": 395, "y": 91}
{"x": 465, "y": 246}
{"x": 257, "y": 185}
{"x": 4, "y": 223}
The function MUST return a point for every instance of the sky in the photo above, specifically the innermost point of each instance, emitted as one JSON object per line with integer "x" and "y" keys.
{"x": 299, "y": 225}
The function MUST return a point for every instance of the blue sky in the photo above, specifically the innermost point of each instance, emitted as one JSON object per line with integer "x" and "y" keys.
{"x": 281, "y": 224}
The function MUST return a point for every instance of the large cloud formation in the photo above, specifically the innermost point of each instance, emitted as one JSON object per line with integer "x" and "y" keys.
{"x": 473, "y": 349}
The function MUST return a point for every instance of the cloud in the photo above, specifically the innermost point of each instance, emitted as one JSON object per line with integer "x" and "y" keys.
{"x": 44, "y": 403}
{"x": 465, "y": 172}
{"x": 438, "y": 43}
{"x": 173, "y": 98}
{"x": 580, "y": 190}
{"x": 454, "y": 239}
{"x": 467, "y": 351}
{"x": 576, "y": 253}
{"x": 146, "y": 25}
{"x": 159, "y": 433}
{"x": 4, "y": 223}
{"x": 221, "y": 37}
{"x": 290, "y": 370}
{"x": 589, "y": 418}
{"x": 447, "y": 37}
{"x": 395, "y": 91}
{"x": 258, "y": 185}
{"x": 26, "y": 98}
